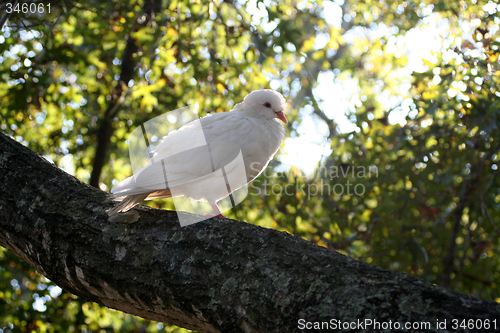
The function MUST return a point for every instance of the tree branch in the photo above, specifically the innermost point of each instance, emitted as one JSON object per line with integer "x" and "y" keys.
{"x": 213, "y": 276}
{"x": 5, "y": 16}
{"x": 467, "y": 194}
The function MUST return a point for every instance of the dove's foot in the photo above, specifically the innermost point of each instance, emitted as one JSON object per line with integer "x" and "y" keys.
{"x": 216, "y": 211}
{"x": 218, "y": 215}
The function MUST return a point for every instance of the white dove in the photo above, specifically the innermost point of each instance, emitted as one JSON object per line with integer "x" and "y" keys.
{"x": 209, "y": 158}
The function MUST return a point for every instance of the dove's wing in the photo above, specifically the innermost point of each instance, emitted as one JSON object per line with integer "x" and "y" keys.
{"x": 195, "y": 150}
{"x": 211, "y": 157}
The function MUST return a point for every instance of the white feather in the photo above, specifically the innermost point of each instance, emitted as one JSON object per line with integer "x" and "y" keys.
{"x": 189, "y": 161}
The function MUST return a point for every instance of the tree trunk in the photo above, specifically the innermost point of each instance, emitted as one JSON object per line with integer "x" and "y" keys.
{"x": 127, "y": 71}
{"x": 214, "y": 276}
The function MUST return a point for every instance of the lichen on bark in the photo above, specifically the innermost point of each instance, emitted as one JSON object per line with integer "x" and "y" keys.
{"x": 213, "y": 276}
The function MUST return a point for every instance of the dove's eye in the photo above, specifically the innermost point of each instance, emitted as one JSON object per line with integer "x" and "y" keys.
{"x": 267, "y": 104}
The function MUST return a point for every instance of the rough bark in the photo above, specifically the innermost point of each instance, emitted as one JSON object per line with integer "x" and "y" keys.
{"x": 213, "y": 276}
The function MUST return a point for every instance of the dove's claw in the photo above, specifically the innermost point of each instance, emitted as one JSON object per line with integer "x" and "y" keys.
{"x": 219, "y": 215}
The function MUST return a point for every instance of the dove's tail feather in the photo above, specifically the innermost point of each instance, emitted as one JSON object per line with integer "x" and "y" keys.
{"x": 130, "y": 201}
{"x": 160, "y": 194}
{"x": 127, "y": 203}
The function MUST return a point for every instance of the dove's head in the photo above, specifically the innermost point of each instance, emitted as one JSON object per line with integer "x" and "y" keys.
{"x": 266, "y": 103}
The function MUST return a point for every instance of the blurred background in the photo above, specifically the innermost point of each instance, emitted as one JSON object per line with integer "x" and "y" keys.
{"x": 391, "y": 153}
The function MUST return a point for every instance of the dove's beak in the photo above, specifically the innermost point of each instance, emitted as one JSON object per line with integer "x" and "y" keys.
{"x": 281, "y": 116}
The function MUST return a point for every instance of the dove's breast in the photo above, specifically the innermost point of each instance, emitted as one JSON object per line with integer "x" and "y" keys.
{"x": 259, "y": 147}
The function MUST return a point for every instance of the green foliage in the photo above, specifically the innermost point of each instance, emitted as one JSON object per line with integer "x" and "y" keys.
{"x": 405, "y": 197}
{"x": 31, "y": 303}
